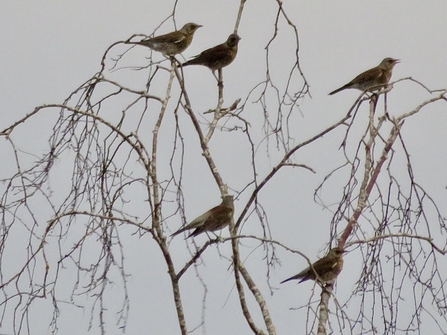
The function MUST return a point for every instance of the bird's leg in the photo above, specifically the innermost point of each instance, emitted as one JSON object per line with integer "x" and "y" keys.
{"x": 385, "y": 106}
{"x": 374, "y": 99}
{"x": 218, "y": 237}
{"x": 219, "y": 78}
{"x": 327, "y": 287}
{"x": 174, "y": 61}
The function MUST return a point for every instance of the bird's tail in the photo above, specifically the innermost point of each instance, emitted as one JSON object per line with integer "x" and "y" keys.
{"x": 300, "y": 276}
{"x": 190, "y": 62}
{"x": 285, "y": 281}
{"x": 181, "y": 230}
{"x": 339, "y": 89}
{"x": 295, "y": 277}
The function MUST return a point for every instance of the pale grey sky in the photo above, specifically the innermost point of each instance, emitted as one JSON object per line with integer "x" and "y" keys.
{"x": 50, "y": 48}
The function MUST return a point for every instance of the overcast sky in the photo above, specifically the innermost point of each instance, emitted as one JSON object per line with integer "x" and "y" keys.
{"x": 50, "y": 48}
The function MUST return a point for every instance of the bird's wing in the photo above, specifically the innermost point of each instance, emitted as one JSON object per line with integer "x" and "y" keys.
{"x": 220, "y": 213}
{"x": 196, "y": 223}
{"x": 174, "y": 37}
{"x": 213, "y": 54}
{"x": 200, "y": 220}
{"x": 368, "y": 76}
{"x": 321, "y": 266}
{"x": 219, "y": 218}
{"x": 303, "y": 275}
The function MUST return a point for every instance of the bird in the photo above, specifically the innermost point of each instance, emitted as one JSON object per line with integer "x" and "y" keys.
{"x": 216, "y": 218}
{"x": 327, "y": 268}
{"x": 219, "y": 56}
{"x": 373, "y": 79}
{"x": 172, "y": 43}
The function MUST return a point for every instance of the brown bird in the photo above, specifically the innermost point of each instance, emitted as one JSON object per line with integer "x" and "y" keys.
{"x": 327, "y": 268}
{"x": 219, "y": 56}
{"x": 172, "y": 43}
{"x": 374, "y": 79}
{"x": 216, "y": 218}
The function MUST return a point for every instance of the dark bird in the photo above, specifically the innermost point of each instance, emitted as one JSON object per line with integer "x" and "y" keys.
{"x": 219, "y": 56}
{"x": 327, "y": 268}
{"x": 216, "y": 218}
{"x": 172, "y": 43}
{"x": 374, "y": 79}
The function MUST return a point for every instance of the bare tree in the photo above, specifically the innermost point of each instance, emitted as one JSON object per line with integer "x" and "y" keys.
{"x": 119, "y": 161}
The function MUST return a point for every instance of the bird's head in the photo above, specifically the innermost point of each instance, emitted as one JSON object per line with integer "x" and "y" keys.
{"x": 227, "y": 201}
{"x": 388, "y": 63}
{"x": 190, "y": 28}
{"x": 233, "y": 40}
{"x": 335, "y": 252}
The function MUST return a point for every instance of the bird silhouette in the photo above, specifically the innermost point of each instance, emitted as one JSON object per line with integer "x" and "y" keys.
{"x": 216, "y": 218}
{"x": 327, "y": 268}
{"x": 373, "y": 79}
{"x": 219, "y": 56}
{"x": 172, "y": 43}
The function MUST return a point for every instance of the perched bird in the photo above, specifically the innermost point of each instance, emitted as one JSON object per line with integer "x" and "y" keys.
{"x": 216, "y": 218}
{"x": 327, "y": 268}
{"x": 219, "y": 56}
{"x": 172, "y": 43}
{"x": 373, "y": 79}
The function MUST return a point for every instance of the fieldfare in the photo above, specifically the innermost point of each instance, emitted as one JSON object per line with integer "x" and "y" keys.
{"x": 327, "y": 268}
{"x": 374, "y": 79}
{"x": 219, "y": 56}
{"x": 172, "y": 43}
{"x": 216, "y": 218}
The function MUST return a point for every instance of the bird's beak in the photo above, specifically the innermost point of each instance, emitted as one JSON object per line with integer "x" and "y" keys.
{"x": 396, "y": 60}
